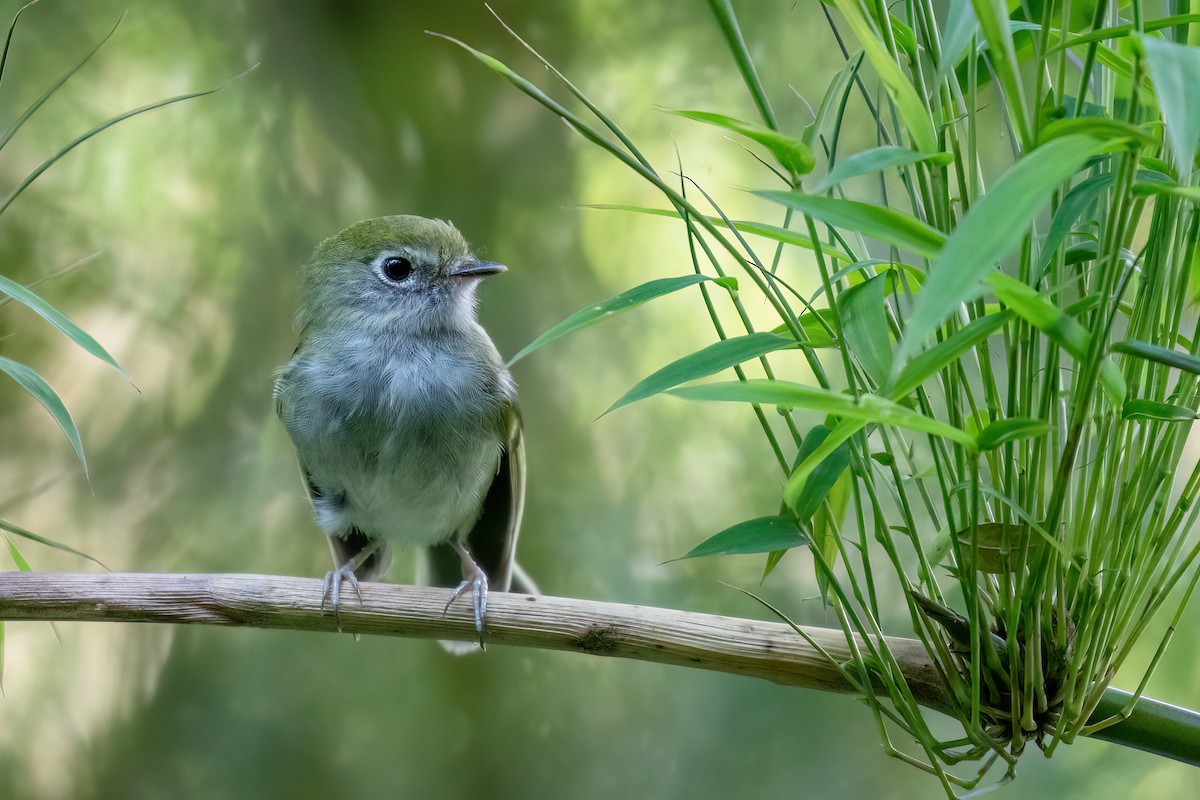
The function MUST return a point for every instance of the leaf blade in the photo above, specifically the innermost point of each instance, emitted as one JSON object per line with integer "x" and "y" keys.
{"x": 36, "y": 385}
{"x": 597, "y": 312}
{"x": 760, "y": 535}
{"x": 990, "y": 231}
{"x": 710, "y": 360}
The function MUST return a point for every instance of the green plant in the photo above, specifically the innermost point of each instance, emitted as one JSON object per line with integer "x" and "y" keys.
{"x": 25, "y": 376}
{"x": 1008, "y": 364}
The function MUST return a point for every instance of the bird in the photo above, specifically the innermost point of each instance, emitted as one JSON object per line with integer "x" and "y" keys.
{"x": 402, "y": 413}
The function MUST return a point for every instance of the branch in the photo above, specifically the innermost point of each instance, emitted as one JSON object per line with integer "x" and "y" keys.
{"x": 736, "y": 646}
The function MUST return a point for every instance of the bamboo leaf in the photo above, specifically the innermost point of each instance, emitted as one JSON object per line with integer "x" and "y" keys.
{"x": 59, "y": 320}
{"x": 834, "y": 97}
{"x": 33, "y": 383}
{"x": 1122, "y": 31}
{"x": 961, "y": 26}
{"x": 773, "y": 232}
{"x": 1076, "y": 201}
{"x": 712, "y": 359}
{"x": 824, "y": 476}
{"x": 794, "y": 155}
{"x": 997, "y": 546}
{"x": 990, "y": 232}
{"x": 1175, "y": 71}
{"x": 891, "y": 269}
{"x": 1154, "y": 410}
{"x": 33, "y": 537}
{"x": 761, "y": 535}
{"x": 865, "y": 327}
{"x": 877, "y": 159}
{"x": 1160, "y": 355}
{"x": 1051, "y": 320}
{"x": 878, "y": 222}
{"x": 32, "y": 109}
{"x": 1097, "y": 127}
{"x": 54, "y": 159}
{"x": 946, "y": 352}
{"x": 1003, "y": 431}
{"x": 865, "y": 407}
{"x": 631, "y": 298}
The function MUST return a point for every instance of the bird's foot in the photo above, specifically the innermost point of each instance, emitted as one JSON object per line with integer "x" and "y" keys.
{"x": 476, "y": 580}
{"x": 331, "y": 590}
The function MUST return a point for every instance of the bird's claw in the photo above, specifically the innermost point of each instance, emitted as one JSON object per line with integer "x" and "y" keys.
{"x": 477, "y": 582}
{"x": 331, "y": 590}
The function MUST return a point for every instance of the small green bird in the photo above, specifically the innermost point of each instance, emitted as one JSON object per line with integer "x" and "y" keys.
{"x": 403, "y": 416}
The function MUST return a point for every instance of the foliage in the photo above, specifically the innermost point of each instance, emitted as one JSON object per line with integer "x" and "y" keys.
{"x": 1008, "y": 363}
{"x": 24, "y": 375}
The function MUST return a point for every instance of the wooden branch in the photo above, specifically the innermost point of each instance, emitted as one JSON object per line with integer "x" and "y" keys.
{"x": 736, "y": 646}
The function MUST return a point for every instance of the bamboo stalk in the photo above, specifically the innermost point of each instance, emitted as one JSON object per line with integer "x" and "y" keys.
{"x": 732, "y": 645}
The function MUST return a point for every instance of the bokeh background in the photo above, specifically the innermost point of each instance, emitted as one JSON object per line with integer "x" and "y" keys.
{"x": 198, "y": 216}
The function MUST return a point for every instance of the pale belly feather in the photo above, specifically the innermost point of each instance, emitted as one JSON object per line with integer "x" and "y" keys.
{"x": 402, "y": 448}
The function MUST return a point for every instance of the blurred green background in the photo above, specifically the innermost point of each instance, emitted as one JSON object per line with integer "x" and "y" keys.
{"x": 201, "y": 214}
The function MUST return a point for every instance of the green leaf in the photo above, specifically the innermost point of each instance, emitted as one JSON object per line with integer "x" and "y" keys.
{"x": 990, "y": 232}
{"x": 1003, "y": 431}
{"x": 1121, "y": 31}
{"x": 1175, "y": 71}
{"x": 834, "y": 98}
{"x": 1097, "y": 127}
{"x": 1160, "y": 355}
{"x": 8, "y": 41}
{"x": 712, "y": 359}
{"x": 761, "y": 535}
{"x": 865, "y": 407}
{"x": 877, "y": 159}
{"x": 586, "y": 317}
{"x": 909, "y": 104}
{"x": 961, "y": 26}
{"x": 1076, "y": 201}
{"x": 59, "y": 320}
{"x": 946, "y": 352}
{"x": 1169, "y": 188}
{"x": 865, "y": 327}
{"x": 33, "y": 383}
{"x": 827, "y": 521}
{"x": 773, "y": 232}
{"x": 878, "y": 222}
{"x": 997, "y": 543}
{"x": 54, "y": 159}
{"x": 1051, "y": 320}
{"x": 793, "y": 154}
{"x": 824, "y": 476}
{"x": 17, "y": 556}
{"x": 1154, "y": 410}
{"x": 32, "y": 109}
{"x": 33, "y": 537}
{"x": 814, "y": 327}
{"x": 850, "y": 272}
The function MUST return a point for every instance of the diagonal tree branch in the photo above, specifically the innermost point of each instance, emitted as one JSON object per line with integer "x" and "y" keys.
{"x": 732, "y": 645}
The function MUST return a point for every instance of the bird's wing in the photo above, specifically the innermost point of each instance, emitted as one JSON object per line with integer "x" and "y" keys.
{"x": 492, "y": 542}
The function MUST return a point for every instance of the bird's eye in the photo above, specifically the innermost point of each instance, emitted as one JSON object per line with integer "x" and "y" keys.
{"x": 397, "y": 268}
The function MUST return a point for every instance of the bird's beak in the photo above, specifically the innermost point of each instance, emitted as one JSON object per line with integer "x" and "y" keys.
{"x": 478, "y": 269}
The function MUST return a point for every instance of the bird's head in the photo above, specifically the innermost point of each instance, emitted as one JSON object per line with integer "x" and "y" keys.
{"x": 392, "y": 273}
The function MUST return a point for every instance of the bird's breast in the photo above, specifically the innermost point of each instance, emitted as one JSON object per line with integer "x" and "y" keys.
{"x": 411, "y": 437}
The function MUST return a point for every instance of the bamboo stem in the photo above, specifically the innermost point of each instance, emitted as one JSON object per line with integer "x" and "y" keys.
{"x": 732, "y": 645}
